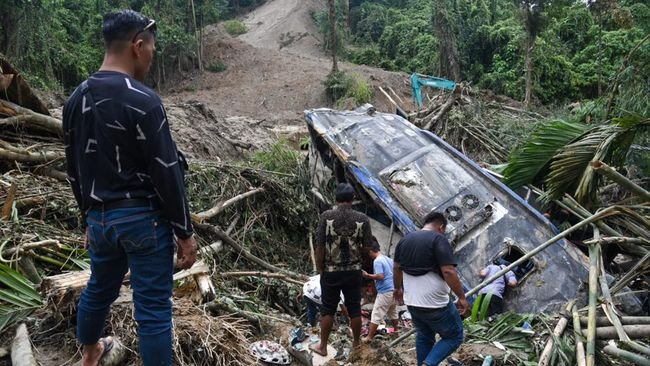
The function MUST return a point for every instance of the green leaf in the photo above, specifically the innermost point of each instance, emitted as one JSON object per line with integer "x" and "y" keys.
{"x": 528, "y": 164}
{"x": 485, "y": 305}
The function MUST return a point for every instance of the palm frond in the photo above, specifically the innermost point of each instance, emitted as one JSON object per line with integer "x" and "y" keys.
{"x": 18, "y": 298}
{"x": 529, "y": 164}
{"x": 570, "y": 171}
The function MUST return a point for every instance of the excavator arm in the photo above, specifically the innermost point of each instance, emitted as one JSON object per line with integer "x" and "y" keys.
{"x": 419, "y": 80}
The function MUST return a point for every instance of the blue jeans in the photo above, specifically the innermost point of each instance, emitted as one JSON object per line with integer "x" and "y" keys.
{"x": 312, "y": 310}
{"x": 141, "y": 240}
{"x": 447, "y": 323}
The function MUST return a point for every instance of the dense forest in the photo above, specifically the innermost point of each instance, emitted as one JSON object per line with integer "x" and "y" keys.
{"x": 565, "y": 50}
{"x": 57, "y": 43}
{"x": 575, "y": 48}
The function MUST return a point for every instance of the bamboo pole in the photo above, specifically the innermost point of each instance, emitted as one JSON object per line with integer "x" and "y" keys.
{"x": 635, "y": 346}
{"x": 611, "y": 349}
{"x": 633, "y": 331}
{"x": 580, "y": 347}
{"x": 631, "y": 274}
{"x": 619, "y": 178}
{"x": 609, "y": 308}
{"x": 545, "y": 357}
{"x": 593, "y": 298}
{"x": 602, "y": 321}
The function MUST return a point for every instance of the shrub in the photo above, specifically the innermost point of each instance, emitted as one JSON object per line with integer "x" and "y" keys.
{"x": 341, "y": 85}
{"x": 235, "y": 27}
{"x": 218, "y": 66}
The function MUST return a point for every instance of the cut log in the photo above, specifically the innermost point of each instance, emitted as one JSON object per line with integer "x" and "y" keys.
{"x": 197, "y": 268}
{"x": 205, "y": 286}
{"x": 62, "y": 291}
{"x": 633, "y": 331}
{"x": 21, "y": 348}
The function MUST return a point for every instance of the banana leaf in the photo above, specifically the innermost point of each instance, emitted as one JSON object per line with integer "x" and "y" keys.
{"x": 18, "y": 298}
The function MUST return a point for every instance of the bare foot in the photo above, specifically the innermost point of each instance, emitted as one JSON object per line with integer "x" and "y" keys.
{"x": 92, "y": 353}
{"x": 320, "y": 349}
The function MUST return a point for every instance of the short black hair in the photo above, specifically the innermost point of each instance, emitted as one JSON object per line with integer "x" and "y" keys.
{"x": 375, "y": 247}
{"x": 122, "y": 25}
{"x": 344, "y": 192}
{"x": 435, "y": 217}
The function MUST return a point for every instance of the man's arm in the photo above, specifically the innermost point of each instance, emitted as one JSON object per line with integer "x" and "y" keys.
{"x": 165, "y": 170}
{"x": 482, "y": 273}
{"x": 512, "y": 279}
{"x": 450, "y": 275}
{"x": 445, "y": 259}
{"x": 319, "y": 250}
{"x": 167, "y": 176}
{"x": 70, "y": 157}
{"x": 398, "y": 293}
{"x": 376, "y": 276}
{"x": 378, "y": 268}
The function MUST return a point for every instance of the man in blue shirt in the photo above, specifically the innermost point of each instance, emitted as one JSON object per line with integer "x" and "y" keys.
{"x": 385, "y": 302}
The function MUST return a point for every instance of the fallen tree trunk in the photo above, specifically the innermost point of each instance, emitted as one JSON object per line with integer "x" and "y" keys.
{"x": 21, "y": 348}
{"x": 633, "y": 331}
{"x": 445, "y": 108}
{"x": 23, "y": 247}
{"x": 35, "y": 121}
{"x": 220, "y": 207}
{"x": 10, "y": 152}
{"x": 246, "y": 254}
{"x": 262, "y": 274}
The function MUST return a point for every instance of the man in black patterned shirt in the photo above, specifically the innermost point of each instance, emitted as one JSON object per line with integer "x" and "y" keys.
{"x": 128, "y": 180}
{"x": 343, "y": 238}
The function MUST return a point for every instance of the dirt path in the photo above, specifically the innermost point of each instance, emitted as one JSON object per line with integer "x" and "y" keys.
{"x": 285, "y": 25}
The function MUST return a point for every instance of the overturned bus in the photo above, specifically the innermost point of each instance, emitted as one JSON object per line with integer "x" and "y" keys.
{"x": 401, "y": 173}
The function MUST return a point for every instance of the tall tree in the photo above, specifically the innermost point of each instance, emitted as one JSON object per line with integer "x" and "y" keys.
{"x": 333, "y": 45}
{"x": 533, "y": 22}
{"x": 441, "y": 17}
